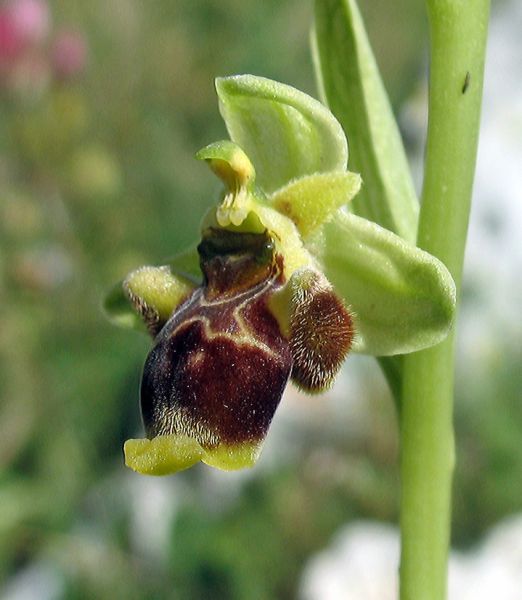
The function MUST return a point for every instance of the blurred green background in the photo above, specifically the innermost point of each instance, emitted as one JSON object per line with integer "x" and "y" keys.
{"x": 101, "y": 113}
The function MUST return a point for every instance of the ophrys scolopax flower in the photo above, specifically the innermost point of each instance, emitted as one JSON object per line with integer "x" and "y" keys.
{"x": 284, "y": 283}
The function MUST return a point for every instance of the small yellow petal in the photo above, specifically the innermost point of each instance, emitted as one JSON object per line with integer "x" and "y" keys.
{"x": 156, "y": 289}
{"x": 313, "y": 200}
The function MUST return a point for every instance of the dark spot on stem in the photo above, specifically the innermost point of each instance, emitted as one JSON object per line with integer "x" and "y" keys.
{"x": 467, "y": 81}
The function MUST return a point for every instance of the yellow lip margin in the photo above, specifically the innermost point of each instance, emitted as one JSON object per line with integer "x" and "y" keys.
{"x": 167, "y": 454}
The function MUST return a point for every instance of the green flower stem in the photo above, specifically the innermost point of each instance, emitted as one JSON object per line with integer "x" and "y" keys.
{"x": 458, "y": 39}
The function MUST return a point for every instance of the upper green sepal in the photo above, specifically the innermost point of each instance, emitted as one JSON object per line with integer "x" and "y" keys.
{"x": 286, "y": 133}
{"x": 403, "y": 299}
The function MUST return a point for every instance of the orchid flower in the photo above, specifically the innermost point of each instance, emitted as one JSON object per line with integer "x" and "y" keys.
{"x": 285, "y": 282}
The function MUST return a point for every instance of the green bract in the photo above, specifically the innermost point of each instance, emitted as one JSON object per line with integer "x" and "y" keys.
{"x": 279, "y": 245}
{"x": 354, "y": 92}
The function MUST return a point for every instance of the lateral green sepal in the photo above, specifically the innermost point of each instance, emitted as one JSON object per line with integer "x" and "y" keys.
{"x": 402, "y": 298}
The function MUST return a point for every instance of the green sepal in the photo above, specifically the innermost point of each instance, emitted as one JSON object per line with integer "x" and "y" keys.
{"x": 402, "y": 298}
{"x": 312, "y": 200}
{"x": 286, "y": 133}
{"x": 349, "y": 80}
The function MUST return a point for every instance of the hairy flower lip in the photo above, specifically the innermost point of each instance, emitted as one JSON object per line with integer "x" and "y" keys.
{"x": 219, "y": 366}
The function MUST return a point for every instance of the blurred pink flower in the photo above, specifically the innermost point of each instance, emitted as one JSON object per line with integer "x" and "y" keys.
{"x": 11, "y": 44}
{"x": 69, "y": 54}
{"x": 24, "y": 24}
{"x": 31, "y": 20}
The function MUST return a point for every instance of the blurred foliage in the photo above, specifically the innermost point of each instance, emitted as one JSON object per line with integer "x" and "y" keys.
{"x": 97, "y": 177}
{"x": 488, "y": 485}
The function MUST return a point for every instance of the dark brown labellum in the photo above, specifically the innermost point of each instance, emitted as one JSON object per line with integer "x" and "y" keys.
{"x": 220, "y": 364}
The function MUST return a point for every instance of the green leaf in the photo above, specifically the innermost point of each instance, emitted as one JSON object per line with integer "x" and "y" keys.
{"x": 311, "y": 201}
{"x": 285, "y": 133}
{"x": 403, "y": 298}
{"x": 349, "y": 78}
